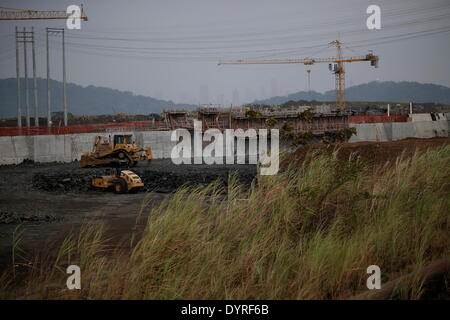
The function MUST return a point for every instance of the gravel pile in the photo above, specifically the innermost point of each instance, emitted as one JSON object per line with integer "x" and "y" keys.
{"x": 170, "y": 181}
{"x": 64, "y": 182}
{"x": 158, "y": 180}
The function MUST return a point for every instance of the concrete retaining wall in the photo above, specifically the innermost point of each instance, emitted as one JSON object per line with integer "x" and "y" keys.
{"x": 392, "y": 131}
{"x": 67, "y": 148}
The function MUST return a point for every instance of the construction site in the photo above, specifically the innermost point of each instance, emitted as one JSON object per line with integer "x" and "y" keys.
{"x": 348, "y": 182}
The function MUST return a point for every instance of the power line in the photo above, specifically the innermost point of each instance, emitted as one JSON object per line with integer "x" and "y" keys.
{"x": 164, "y": 53}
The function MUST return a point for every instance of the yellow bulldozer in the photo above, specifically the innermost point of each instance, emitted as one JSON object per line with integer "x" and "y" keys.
{"x": 119, "y": 150}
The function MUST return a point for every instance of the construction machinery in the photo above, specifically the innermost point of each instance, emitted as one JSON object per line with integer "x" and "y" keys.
{"x": 121, "y": 181}
{"x": 336, "y": 66}
{"x": 120, "y": 150}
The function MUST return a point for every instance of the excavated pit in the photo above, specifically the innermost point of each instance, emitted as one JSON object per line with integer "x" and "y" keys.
{"x": 158, "y": 176}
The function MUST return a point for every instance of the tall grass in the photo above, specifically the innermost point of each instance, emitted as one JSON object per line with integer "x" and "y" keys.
{"x": 307, "y": 233}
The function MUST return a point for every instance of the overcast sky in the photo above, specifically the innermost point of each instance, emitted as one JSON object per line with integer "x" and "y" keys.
{"x": 169, "y": 49}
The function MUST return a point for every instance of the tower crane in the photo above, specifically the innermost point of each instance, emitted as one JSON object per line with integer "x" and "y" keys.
{"x": 17, "y": 14}
{"x": 336, "y": 66}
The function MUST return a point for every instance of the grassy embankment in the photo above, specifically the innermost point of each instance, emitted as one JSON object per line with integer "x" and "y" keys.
{"x": 307, "y": 233}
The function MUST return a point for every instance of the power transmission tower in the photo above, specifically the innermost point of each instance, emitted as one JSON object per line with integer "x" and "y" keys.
{"x": 56, "y": 31}
{"x": 26, "y": 37}
{"x": 18, "y": 14}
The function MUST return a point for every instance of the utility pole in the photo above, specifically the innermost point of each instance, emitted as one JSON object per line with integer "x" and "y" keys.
{"x": 19, "y": 111}
{"x": 36, "y": 109}
{"x": 27, "y": 97}
{"x": 64, "y": 78}
{"x": 51, "y": 31}
{"x": 23, "y": 37}
{"x": 49, "y": 112}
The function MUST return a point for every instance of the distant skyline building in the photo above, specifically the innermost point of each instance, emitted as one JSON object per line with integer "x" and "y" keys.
{"x": 204, "y": 94}
{"x": 274, "y": 87}
{"x": 159, "y": 94}
{"x": 183, "y": 97}
{"x": 248, "y": 95}
{"x": 220, "y": 99}
{"x": 262, "y": 93}
{"x": 235, "y": 98}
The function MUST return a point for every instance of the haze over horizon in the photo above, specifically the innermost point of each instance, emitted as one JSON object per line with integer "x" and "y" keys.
{"x": 169, "y": 49}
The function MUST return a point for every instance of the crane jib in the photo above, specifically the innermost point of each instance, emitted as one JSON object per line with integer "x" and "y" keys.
{"x": 336, "y": 65}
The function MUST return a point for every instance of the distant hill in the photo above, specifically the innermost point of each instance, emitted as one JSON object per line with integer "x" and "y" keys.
{"x": 81, "y": 100}
{"x": 93, "y": 100}
{"x": 374, "y": 91}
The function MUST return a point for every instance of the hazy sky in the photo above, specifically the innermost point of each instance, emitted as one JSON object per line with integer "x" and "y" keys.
{"x": 170, "y": 48}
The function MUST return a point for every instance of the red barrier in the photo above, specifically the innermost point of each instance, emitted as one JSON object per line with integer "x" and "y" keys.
{"x": 377, "y": 118}
{"x": 85, "y": 128}
{"x": 161, "y": 125}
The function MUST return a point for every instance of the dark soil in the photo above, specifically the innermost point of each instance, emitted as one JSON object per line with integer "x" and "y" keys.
{"x": 46, "y": 201}
{"x": 372, "y": 153}
{"x": 49, "y": 201}
{"x": 14, "y": 217}
{"x": 158, "y": 176}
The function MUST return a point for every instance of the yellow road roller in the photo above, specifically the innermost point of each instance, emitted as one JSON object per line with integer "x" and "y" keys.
{"x": 121, "y": 181}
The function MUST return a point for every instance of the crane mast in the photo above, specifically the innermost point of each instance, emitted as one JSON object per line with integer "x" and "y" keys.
{"x": 339, "y": 75}
{"x": 336, "y": 66}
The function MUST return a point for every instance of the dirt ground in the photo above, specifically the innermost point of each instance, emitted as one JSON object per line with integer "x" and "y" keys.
{"x": 47, "y": 201}
{"x": 44, "y": 202}
{"x": 372, "y": 153}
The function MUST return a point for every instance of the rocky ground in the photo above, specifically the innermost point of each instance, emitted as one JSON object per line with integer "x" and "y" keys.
{"x": 44, "y": 202}
{"x": 158, "y": 176}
